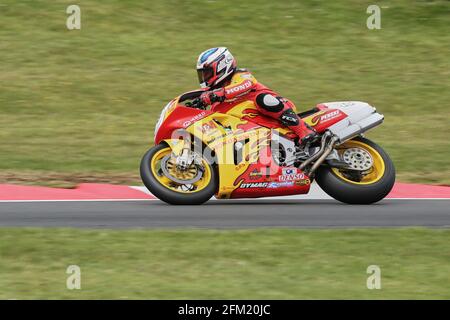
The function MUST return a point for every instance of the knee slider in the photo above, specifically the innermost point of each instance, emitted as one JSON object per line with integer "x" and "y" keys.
{"x": 289, "y": 118}
{"x": 269, "y": 102}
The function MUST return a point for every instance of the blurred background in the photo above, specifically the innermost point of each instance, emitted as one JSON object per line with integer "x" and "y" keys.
{"x": 80, "y": 105}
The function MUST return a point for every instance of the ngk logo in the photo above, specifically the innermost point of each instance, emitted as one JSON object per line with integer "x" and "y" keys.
{"x": 247, "y": 84}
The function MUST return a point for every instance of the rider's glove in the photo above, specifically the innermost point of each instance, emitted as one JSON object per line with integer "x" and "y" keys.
{"x": 209, "y": 97}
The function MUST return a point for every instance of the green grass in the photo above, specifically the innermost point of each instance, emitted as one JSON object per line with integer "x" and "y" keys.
{"x": 86, "y": 101}
{"x": 246, "y": 264}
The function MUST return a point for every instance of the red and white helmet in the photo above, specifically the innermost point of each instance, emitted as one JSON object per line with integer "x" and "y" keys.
{"x": 214, "y": 65}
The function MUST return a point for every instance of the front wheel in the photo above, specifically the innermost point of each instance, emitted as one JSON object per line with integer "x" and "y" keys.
{"x": 370, "y": 179}
{"x": 160, "y": 175}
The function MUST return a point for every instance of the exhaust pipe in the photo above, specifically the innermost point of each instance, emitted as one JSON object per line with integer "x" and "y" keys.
{"x": 318, "y": 153}
{"x": 324, "y": 155}
{"x": 341, "y": 132}
{"x": 346, "y": 130}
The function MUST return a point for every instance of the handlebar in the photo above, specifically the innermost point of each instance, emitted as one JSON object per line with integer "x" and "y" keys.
{"x": 196, "y": 103}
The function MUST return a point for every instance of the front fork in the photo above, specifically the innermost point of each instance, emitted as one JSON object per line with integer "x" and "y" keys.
{"x": 181, "y": 151}
{"x": 185, "y": 159}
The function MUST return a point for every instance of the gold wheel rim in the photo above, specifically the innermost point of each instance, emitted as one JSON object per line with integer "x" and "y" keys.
{"x": 378, "y": 167}
{"x": 155, "y": 166}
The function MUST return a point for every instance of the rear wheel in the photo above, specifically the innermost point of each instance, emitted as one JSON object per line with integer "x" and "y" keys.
{"x": 371, "y": 179}
{"x": 160, "y": 175}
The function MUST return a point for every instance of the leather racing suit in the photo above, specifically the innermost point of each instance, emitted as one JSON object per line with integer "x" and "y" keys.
{"x": 243, "y": 85}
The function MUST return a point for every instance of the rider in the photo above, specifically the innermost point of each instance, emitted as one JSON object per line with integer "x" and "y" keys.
{"x": 218, "y": 73}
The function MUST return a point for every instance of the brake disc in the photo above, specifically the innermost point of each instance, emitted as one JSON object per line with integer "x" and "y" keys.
{"x": 358, "y": 159}
{"x": 189, "y": 176}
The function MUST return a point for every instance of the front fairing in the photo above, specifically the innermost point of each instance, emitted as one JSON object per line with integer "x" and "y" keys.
{"x": 175, "y": 116}
{"x": 244, "y": 172}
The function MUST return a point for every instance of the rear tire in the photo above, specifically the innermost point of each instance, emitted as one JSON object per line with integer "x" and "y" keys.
{"x": 354, "y": 193}
{"x": 167, "y": 195}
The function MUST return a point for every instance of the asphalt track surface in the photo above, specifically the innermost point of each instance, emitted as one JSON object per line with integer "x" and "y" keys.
{"x": 226, "y": 214}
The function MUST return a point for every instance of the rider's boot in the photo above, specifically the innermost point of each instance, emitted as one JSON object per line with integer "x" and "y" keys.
{"x": 304, "y": 132}
{"x": 309, "y": 135}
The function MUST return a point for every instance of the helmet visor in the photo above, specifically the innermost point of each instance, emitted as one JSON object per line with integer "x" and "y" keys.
{"x": 205, "y": 74}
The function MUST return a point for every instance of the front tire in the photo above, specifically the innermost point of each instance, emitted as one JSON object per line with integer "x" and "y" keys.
{"x": 371, "y": 188}
{"x": 166, "y": 190}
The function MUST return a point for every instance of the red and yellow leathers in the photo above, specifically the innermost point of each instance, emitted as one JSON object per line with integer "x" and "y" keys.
{"x": 242, "y": 85}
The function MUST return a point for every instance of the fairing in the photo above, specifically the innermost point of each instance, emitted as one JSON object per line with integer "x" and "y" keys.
{"x": 253, "y": 172}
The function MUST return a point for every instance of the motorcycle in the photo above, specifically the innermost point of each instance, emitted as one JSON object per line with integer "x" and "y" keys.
{"x": 231, "y": 151}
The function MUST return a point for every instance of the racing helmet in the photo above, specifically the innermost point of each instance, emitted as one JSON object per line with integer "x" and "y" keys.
{"x": 215, "y": 65}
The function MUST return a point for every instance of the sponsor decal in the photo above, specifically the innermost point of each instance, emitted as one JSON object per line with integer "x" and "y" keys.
{"x": 292, "y": 177}
{"x": 288, "y": 118}
{"x": 253, "y": 185}
{"x": 329, "y": 116}
{"x": 280, "y": 184}
{"x": 255, "y": 174}
{"x": 291, "y": 174}
{"x": 246, "y": 85}
{"x": 322, "y": 116}
{"x": 193, "y": 119}
{"x": 315, "y": 120}
{"x": 288, "y": 171}
{"x": 208, "y": 127}
{"x": 302, "y": 182}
